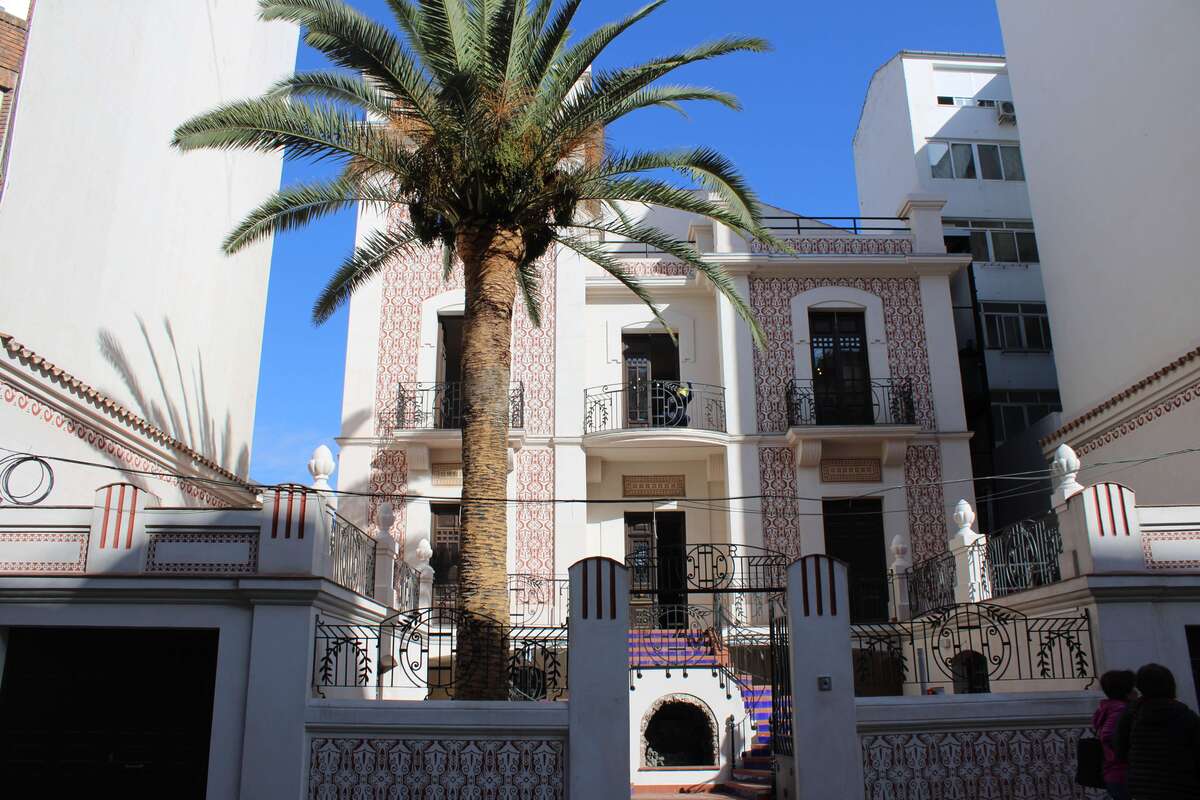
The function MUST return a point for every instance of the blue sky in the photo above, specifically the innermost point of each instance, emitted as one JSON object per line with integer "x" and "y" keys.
{"x": 792, "y": 141}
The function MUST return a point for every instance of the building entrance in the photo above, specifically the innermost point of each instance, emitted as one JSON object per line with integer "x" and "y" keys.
{"x": 657, "y": 544}
{"x": 107, "y": 712}
{"x": 854, "y": 534}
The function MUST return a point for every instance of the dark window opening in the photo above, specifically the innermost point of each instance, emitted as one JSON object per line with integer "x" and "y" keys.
{"x": 107, "y": 712}
{"x": 657, "y": 547}
{"x": 680, "y": 735}
{"x": 841, "y": 374}
{"x": 446, "y": 531}
{"x": 447, "y": 397}
{"x": 854, "y": 534}
{"x": 970, "y": 672}
{"x": 653, "y": 396}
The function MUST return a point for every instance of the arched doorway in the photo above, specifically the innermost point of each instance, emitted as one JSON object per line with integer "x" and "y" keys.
{"x": 679, "y": 731}
{"x": 970, "y": 672}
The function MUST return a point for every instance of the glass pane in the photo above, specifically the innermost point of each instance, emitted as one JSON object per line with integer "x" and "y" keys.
{"x": 964, "y": 162}
{"x": 1014, "y": 169}
{"x": 979, "y": 246}
{"x": 957, "y": 244}
{"x": 991, "y": 331}
{"x": 1004, "y": 246}
{"x": 943, "y": 100}
{"x": 989, "y": 162}
{"x": 1012, "y": 333}
{"x": 1027, "y": 248}
{"x": 997, "y": 424}
{"x": 1033, "y": 333}
{"x": 1014, "y": 420}
{"x": 939, "y": 160}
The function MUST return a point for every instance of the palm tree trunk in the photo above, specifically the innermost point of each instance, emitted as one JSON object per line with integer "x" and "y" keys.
{"x": 490, "y": 256}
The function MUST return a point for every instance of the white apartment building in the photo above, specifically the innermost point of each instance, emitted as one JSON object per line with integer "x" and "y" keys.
{"x": 128, "y": 337}
{"x": 945, "y": 124}
{"x": 1113, "y": 174}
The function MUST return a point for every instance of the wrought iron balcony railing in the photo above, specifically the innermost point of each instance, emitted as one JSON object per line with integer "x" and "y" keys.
{"x": 654, "y": 404}
{"x": 817, "y": 402}
{"x": 439, "y": 406}
{"x": 1023, "y": 556}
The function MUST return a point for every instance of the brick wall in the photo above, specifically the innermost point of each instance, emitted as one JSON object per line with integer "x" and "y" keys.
{"x": 13, "y": 32}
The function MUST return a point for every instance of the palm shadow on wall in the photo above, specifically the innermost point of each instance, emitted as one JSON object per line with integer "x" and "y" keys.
{"x": 177, "y": 402}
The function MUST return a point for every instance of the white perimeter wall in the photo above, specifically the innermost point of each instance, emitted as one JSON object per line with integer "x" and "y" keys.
{"x": 1108, "y": 136}
{"x": 102, "y": 223}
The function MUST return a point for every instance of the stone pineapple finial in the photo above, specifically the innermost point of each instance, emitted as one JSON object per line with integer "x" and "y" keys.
{"x": 1063, "y": 469}
{"x": 321, "y": 466}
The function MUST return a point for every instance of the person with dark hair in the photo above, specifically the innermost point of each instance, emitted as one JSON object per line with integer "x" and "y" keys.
{"x": 1118, "y": 694}
{"x": 1160, "y": 739}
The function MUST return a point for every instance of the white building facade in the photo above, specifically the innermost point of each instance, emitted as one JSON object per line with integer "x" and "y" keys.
{"x": 945, "y": 123}
{"x": 114, "y": 240}
{"x": 1112, "y": 177}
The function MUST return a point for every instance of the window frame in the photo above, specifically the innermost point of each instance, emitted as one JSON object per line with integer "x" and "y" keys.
{"x": 1003, "y": 321}
{"x": 973, "y": 171}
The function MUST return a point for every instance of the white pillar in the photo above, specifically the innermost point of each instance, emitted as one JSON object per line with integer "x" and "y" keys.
{"x": 924, "y": 213}
{"x": 970, "y": 562}
{"x": 828, "y": 756}
{"x": 598, "y": 712}
{"x": 423, "y": 553}
{"x": 385, "y": 557}
{"x": 901, "y": 564}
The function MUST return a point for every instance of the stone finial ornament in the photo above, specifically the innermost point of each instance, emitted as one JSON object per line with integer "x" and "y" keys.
{"x": 964, "y": 516}
{"x": 321, "y": 466}
{"x": 1063, "y": 469}
{"x": 424, "y": 553}
{"x": 385, "y": 517}
{"x": 900, "y": 559}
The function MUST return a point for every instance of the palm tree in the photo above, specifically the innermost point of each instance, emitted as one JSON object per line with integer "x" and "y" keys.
{"x": 482, "y": 123}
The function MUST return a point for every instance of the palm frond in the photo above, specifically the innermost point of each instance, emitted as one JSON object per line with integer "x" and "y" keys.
{"x": 356, "y": 42}
{"x": 300, "y": 130}
{"x": 337, "y": 86}
{"x": 715, "y": 273}
{"x": 363, "y": 264}
{"x": 296, "y": 206}
{"x": 613, "y": 266}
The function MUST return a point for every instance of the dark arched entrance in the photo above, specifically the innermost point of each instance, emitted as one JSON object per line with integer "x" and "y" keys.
{"x": 680, "y": 734}
{"x": 970, "y": 672}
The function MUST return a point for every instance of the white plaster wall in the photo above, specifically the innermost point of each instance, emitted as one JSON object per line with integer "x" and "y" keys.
{"x": 606, "y": 521}
{"x": 694, "y": 315}
{"x": 701, "y": 684}
{"x": 103, "y": 223}
{"x": 808, "y": 484}
{"x": 884, "y": 168}
{"x": 1110, "y": 157}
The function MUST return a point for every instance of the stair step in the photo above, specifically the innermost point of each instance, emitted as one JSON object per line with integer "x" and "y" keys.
{"x": 750, "y": 791}
{"x": 751, "y": 775}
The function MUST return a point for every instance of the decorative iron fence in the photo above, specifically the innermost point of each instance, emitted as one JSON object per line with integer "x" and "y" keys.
{"x": 435, "y": 651}
{"x": 781, "y": 682}
{"x": 706, "y": 568}
{"x": 407, "y": 583}
{"x": 970, "y": 646}
{"x": 439, "y": 406}
{"x": 1023, "y": 556}
{"x": 352, "y": 555}
{"x": 931, "y": 583}
{"x": 847, "y": 402}
{"x": 532, "y": 599}
{"x": 654, "y": 404}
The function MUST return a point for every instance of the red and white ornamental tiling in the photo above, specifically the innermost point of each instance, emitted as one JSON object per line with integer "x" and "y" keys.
{"x": 842, "y": 245}
{"x": 926, "y": 501}
{"x": 658, "y": 268}
{"x": 780, "y": 509}
{"x": 406, "y": 284}
{"x": 904, "y": 327}
{"x": 1014, "y": 764}
{"x": 1158, "y": 410}
{"x": 908, "y": 357}
{"x": 488, "y": 769}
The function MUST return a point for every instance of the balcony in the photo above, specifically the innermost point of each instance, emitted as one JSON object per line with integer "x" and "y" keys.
{"x": 654, "y": 405}
{"x": 856, "y": 403}
{"x": 439, "y": 406}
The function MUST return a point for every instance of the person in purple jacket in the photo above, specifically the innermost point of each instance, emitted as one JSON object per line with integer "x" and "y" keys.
{"x": 1119, "y": 693}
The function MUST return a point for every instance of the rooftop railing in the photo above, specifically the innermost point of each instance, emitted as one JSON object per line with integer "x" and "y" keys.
{"x": 855, "y": 225}
{"x": 351, "y": 555}
{"x": 1022, "y": 556}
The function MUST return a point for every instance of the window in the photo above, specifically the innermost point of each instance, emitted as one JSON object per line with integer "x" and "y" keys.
{"x": 1015, "y": 410}
{"x": 1016, "y": 327}
{"x": 447, "y": 543}
{"x": 997, "y": 162}
{"x": 1000, "y": 241}
{"x": 966, "y": 102}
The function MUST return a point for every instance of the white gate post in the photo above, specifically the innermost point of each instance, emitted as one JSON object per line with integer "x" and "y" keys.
{"x": 598, "y": 708}
{"x": 827, "y": 752}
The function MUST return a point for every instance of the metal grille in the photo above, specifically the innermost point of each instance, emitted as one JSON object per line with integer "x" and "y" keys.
{"x": 781, "y": 682}
{"x": 851, "y": 403}
{"x": 931, "y": 583}
{"x": 1024, "y": 555}
{"x": 654, "y": 404}
{"x": 439, "y": 406}
{"x": 352, "y": 554}
{"x": 705, "y": 568}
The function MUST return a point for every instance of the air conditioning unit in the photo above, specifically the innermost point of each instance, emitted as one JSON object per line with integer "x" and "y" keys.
{"x": 1006, "y": 114}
